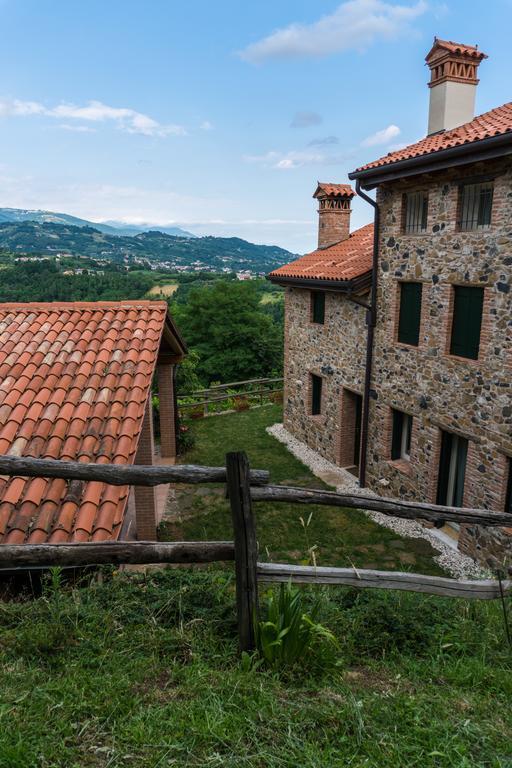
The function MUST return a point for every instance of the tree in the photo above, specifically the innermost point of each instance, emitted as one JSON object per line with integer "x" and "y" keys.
{"x": 234, "y": 338}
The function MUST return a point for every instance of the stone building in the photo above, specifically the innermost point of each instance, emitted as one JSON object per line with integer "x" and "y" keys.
{"x": 415, "y": 389}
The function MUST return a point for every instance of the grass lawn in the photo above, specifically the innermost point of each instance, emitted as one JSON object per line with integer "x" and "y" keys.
{"x": 142, "y": 670}
{"x": 341, "y": 537}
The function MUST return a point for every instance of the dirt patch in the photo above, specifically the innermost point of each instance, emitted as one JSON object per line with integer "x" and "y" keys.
{"x": 375, "y": 680}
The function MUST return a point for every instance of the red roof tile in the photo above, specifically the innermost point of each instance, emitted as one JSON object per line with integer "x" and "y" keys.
{"x": 459, "y": 48}
{"x": 496, "y": 122}
{"x": 90, "y": 366}
{"x": 345, "y": 260}
{"x": 334, "y": 190}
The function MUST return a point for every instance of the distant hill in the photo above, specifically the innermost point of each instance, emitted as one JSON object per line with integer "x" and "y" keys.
{"x": 109, "y": 228}
{"x": 217, "y": 253}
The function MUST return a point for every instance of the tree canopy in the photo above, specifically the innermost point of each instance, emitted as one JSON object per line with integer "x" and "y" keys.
{"x": 233, "y": 335}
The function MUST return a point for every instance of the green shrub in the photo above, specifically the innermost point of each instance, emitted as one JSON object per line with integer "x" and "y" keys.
{"x": 289, "y": 636}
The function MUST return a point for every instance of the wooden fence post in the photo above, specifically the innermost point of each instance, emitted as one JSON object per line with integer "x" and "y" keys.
{"x": 239, "y": 492}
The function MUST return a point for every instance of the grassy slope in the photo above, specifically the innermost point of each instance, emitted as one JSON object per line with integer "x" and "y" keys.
{"x": 342, "y": 537}
{"x": 143, "y": 671}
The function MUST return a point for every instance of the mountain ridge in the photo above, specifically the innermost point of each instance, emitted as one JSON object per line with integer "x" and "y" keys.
{"x": 168, "y": 251}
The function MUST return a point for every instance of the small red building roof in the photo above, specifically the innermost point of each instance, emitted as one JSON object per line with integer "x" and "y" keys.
{"x": 496, "y": 122}
{"x": 458, "y": 48}
{"x": 333, "y": 190}
{"x": 343, "y": 261}
{"x": 74, "y": 382}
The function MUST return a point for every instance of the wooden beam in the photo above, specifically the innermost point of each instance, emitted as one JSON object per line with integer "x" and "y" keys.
{"x": 117, "y": 474}
{"x": 367, "y": 579}
{"x": 246, "y": 548}
{"x": 410, "y": 510}
{"x": 115, "y": 553}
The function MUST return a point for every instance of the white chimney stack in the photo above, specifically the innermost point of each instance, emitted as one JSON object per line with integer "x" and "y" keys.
{"x": 452, "y": 84}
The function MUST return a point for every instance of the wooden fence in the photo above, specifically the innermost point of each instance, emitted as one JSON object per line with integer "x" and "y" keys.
{"x": 253, "y": 391}
{"x": 245, "y": 487}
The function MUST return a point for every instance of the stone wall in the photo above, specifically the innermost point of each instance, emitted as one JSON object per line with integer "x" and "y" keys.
{"x": 472, "y": 398}
{"x": 336, "y": 352}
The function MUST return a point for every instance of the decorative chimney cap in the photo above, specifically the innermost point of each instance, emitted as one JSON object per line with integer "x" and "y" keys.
{"x": 453, "y": 61}
{"x": 334, "y": 190}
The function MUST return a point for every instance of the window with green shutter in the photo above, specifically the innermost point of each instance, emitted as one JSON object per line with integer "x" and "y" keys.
{"x": 410, "y": 313}
{"x": 468, "y": 302}
{"x": 401, "y": 435}
{"x": 316, "y": 395}
{"x": 318, "y": 307}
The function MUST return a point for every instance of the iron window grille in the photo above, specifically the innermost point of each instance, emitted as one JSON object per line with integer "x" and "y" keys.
{"x": 415, "y": 212}
{"x": 316, "y": 395}
{"x": 475, "y": 206}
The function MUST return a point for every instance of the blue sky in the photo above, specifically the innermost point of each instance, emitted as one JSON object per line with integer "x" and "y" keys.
{"x": 220, "y": 116}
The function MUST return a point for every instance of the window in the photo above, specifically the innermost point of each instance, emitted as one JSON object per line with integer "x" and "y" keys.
{"x": 410, "y": 313}
{"x": 508, "y": 499}
{"x": 475, "y": 206}
{"x": 318, "y": 307}
{"x": 316, "y": 395}
{"x": 468, "y": 304}
{"x": 415, "y": 212}
{"x": 401, "y": 438}
{"x": 452, "y": 470}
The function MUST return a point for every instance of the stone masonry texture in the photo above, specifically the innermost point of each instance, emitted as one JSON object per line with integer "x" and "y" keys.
{"x": 471, "y": 398}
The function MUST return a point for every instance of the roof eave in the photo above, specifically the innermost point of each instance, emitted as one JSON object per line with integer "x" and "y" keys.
{"x": 356, "y": 284}
{"x": 475, "y": 151}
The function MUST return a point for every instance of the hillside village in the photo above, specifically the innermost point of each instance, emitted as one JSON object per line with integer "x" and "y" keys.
{"x": 309, "y": 562}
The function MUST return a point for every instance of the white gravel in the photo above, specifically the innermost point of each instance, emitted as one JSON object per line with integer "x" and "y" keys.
{"x": 454, "y": 562}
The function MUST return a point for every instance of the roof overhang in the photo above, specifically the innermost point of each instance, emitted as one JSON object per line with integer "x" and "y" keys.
{"x": 356, "y": 285}
{"x": 464, "y": 154}
{"x": 172, "y": 347}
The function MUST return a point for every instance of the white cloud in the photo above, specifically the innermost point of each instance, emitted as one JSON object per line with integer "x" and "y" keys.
{"x": 77, "y": 128}
{"x": 381, "y": 137}
{"x": 305, "y": 119}
{"x": 354, "y": 25}
{"x": 206, "y": 126}
{"x": 287, "y": 161}
{"x": 123, "y": 118}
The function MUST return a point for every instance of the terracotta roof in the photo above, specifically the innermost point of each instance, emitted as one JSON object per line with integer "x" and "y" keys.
{"x": 74, "y": 381}
{"x": 496, "y": 122}
{"x": 345, "y": 260}
{"x": 334, "y": 190}
{"x": 458, "y": 48}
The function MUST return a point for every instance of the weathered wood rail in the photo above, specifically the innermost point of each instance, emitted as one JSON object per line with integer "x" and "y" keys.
{"x": 409, "y": 510}
{"x": 118, "y": 474}
{"x": 487, "y": 589}
{"x": 244, "y": 486}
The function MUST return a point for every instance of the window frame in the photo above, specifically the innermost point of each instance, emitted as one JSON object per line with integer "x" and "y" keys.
{"x": 401, "y": 435}
{"x": 456, "y": 348}
{"x": 403, "y": 335}
{"x": 466, "y": 223}
{"x": 420, "y": 200}
{"x": 450, "y": 473}
{"x": 317, "y": 296}
{"x": 316, "y": 402}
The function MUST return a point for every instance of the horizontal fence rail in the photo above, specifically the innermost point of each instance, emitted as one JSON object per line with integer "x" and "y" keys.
{"x": 114, "y": 553}
{"x": 119, "y": 474}
{"x": 369, "y": 579}
{"x": 218, "y": 393}
{"x": 409, "y": 510}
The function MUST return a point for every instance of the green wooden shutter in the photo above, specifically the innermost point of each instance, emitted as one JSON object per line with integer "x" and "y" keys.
{"x": 444, "y": 467}
{"x": 396, "y": 439}
{"x": 316, "y": 400}
{"x": 318, "y": 307}
{"x": 410, "y": 313}
{"x": 460, "y": 475}
{"x": 467, "y": 321}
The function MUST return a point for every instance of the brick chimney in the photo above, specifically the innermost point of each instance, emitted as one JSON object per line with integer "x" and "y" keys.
{"x": 333, "y": 212}
{"x": 453, "y": 83}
